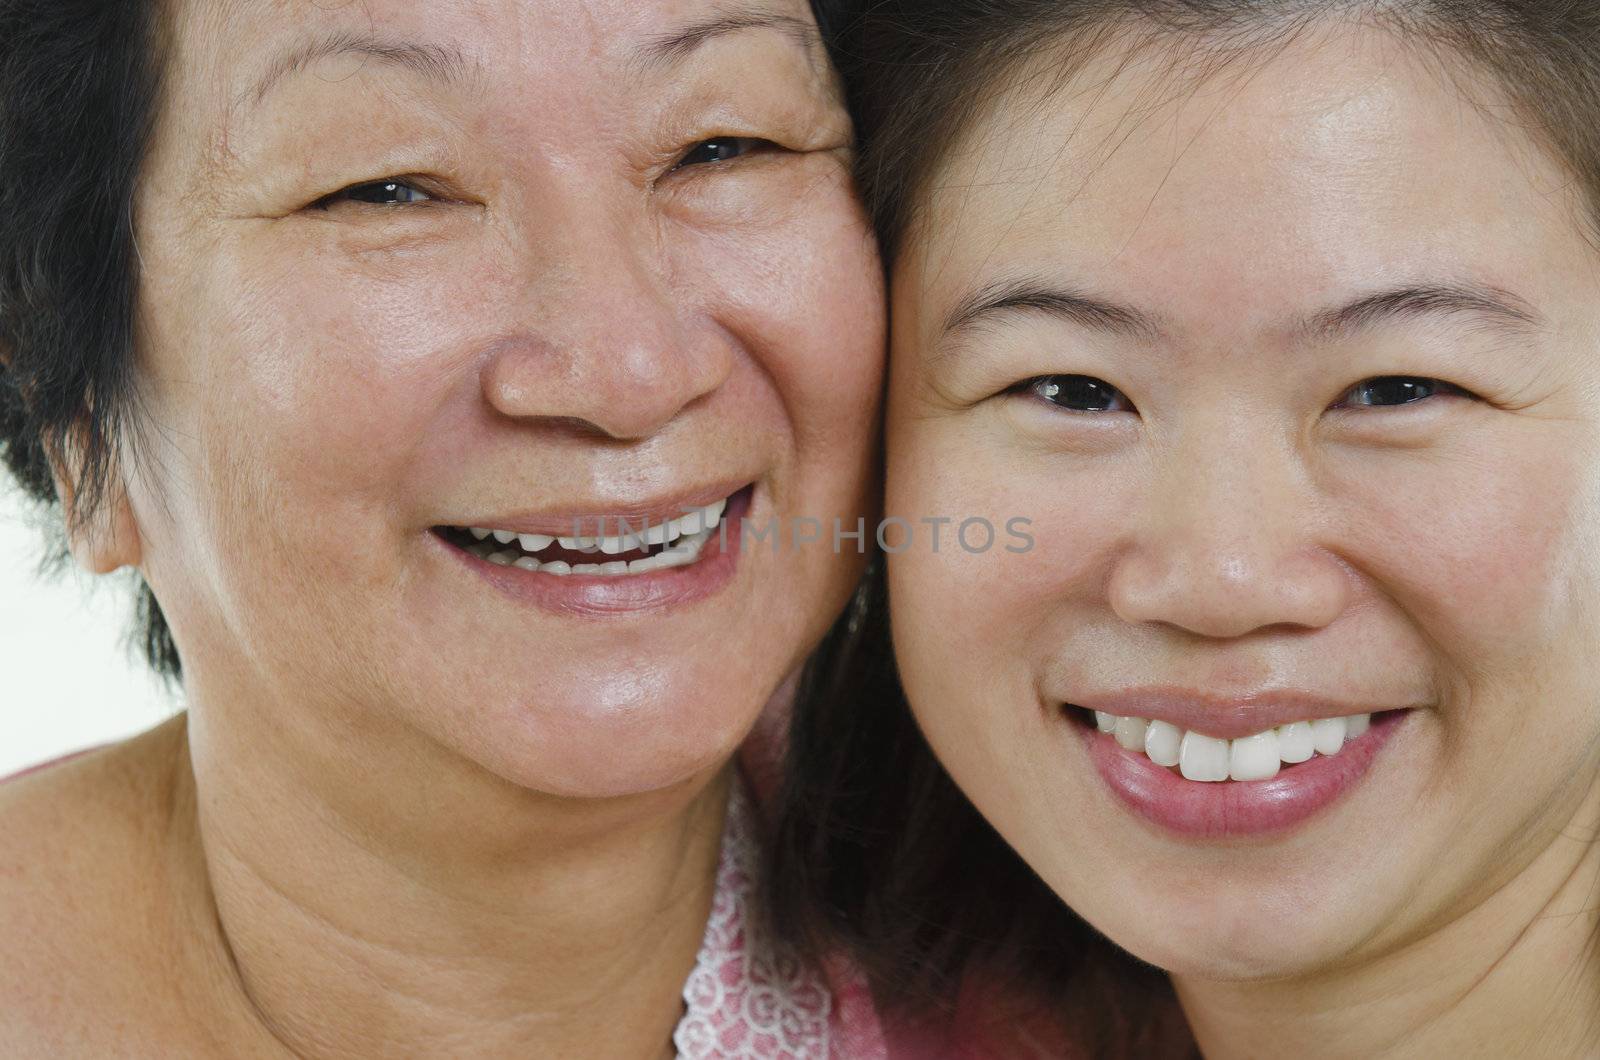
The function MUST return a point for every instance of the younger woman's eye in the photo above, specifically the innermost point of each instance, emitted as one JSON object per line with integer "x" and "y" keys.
{"x": 376, "y": 193}
{"x": 1076, "y": 393}
{"x": 1391, "y": 390}
{"x": 722, "y": 149}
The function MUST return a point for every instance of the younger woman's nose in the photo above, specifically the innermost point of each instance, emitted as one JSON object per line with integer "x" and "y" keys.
{"x": 1226, "y": 546}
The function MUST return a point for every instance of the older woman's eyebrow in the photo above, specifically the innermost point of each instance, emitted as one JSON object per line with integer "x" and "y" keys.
{"x": 438, "y": 62}
{"x": 1033, "y": 296}
{"x": 1481, "y": 303}
{"x": 672, "y": 48}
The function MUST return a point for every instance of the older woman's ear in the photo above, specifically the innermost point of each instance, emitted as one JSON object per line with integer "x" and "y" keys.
{"x": 102, "y": 533}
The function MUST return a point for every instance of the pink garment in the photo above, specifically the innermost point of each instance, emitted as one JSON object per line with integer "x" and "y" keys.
{"x": 746, "y": 1000}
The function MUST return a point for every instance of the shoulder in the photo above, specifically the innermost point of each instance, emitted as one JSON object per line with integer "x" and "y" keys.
{"x": 78, "y": 843}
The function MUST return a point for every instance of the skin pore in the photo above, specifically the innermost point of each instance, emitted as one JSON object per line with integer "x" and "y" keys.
{"x": 407, "y": 266}
{"x": 1140, "y": 310}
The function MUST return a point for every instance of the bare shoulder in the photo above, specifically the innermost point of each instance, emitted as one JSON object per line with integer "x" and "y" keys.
{"x": 79, "y": 849}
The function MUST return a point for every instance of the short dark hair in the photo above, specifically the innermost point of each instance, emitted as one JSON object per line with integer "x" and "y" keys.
{"x": 875, "y": 846}
{"x": 80, "y": 84}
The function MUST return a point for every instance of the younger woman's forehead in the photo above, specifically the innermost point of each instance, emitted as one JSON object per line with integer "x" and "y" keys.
{"x": 1344, "y": 152}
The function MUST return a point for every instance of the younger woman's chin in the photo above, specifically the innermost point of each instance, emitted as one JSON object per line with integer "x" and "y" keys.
{"x": 1253, "y": 938}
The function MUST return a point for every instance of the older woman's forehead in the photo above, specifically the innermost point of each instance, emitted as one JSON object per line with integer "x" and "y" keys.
{"x": 228, "y": 56}
{"x": 238, "y": 40}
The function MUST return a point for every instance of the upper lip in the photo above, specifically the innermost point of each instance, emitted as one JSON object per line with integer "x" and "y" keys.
{"x": 1226, "y": 717}
{"x": 598, "y": 520}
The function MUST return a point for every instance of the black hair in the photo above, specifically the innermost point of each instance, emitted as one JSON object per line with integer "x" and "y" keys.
{"x": 79, "y": 82}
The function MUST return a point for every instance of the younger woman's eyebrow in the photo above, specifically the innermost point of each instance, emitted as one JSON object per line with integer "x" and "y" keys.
{"x": 1033, "y": 295}
{"x": 1484, "y": 304}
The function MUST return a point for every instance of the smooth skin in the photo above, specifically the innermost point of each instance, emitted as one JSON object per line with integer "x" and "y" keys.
{"x": 1229, "y": 510}
{"x": 405, "y": 814}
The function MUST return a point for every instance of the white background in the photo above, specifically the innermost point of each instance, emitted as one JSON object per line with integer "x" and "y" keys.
{"x": 68, "y": 677}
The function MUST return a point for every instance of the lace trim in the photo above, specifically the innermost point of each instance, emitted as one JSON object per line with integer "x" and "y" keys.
{"x": 744, "y": 1001}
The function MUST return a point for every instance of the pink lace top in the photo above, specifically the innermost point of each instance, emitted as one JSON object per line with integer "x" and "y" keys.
{"x": 745, "y": 999}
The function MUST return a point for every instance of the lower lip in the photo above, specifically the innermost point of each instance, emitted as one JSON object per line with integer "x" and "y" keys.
{"x": 1235, "y": 807}
{"x": 624, "y": 594}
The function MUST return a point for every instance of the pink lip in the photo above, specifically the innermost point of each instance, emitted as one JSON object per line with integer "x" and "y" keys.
{"x": 1225, "y": 717}
{"x": 1235, "y": 808}
{"x": 602, "y": 595}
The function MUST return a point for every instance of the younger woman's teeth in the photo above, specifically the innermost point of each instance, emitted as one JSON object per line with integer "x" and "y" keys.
{"x": 685, "y": 537}
{"x": 1207, "y": 758}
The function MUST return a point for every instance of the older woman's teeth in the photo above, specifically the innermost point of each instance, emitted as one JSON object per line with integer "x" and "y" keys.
{"x": 684, "y": 538}
{"x": 1207, "y": 758}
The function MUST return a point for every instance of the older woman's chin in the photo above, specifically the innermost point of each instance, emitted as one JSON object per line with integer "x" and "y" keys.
{"x": 612, "y": 734}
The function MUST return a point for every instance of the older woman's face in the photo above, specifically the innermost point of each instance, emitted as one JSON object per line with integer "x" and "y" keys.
{"x": 1295, "y": 376}
{"x": 412, "y": 268}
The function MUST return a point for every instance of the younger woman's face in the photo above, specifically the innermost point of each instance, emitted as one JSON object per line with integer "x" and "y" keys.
{"x": 1294, "y": 372}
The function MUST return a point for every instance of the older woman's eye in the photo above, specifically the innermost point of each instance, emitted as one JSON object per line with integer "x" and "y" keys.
{"x": 1392, "y": 390}
{"x": 1076, "y": 393}
{"x": 722, "y": 149}
{"x": 376, "y": 193}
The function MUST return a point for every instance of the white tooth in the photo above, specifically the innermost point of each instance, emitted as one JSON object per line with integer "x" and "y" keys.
{"x": 612, "y": 545}
{"x": 526, "y": 563}
{"x": 616, "y": 566}
{"x": 640, "y": 566}
{"x": 1328, "y": 735}
{"x": 713, "y": 513}
{"x": 673, "y": 557}
{"x": 1130, "y": 733}
{"x": 534, "y": 542}
{"x": 654, "y": 535}
{"x": 1161, "y": 742}
{"x": 1105, "y": 722}
{"x": 502, "y": 559}
{"x": 556, "y": 566}
{"x": 586, "y": 568}
{"x": 692, "y": 523}
{"x": 479, "y": 532}
{"x": 1355, "y": 725}
{"x": 1295, "y": 742}
{"x": 504, "y": 536}
{"x": 1254, "y": 757}
{"x": 580, "y": 544}
{"x": 1203, "y": 757}
{"x": 685, "y": 550}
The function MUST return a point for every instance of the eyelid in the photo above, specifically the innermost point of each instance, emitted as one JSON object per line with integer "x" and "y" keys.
{"x": 759, "y": 145}
{"x": 415, "y": 183}
{"x": 1028, "y": 389}
{"x": 1442, "y": 389}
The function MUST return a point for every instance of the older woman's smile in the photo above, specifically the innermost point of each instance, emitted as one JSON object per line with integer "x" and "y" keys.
{"x": 642, "y": 558}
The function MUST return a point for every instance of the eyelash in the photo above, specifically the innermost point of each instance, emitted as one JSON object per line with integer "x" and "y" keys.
{"x": 748, "y": 144}
{"x": 1084, "y": 386}
{"x": 394, "y": 184}
{"x": 751, "y": 145}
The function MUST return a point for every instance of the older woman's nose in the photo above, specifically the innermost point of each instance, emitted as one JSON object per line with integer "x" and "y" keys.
{"x": 608, "y": 349}
{"x": 1227, "y": 546}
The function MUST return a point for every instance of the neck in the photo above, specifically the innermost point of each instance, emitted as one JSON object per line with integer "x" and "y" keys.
{"x": 383, "y": 897}
{"x": 1515, "y": 975}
